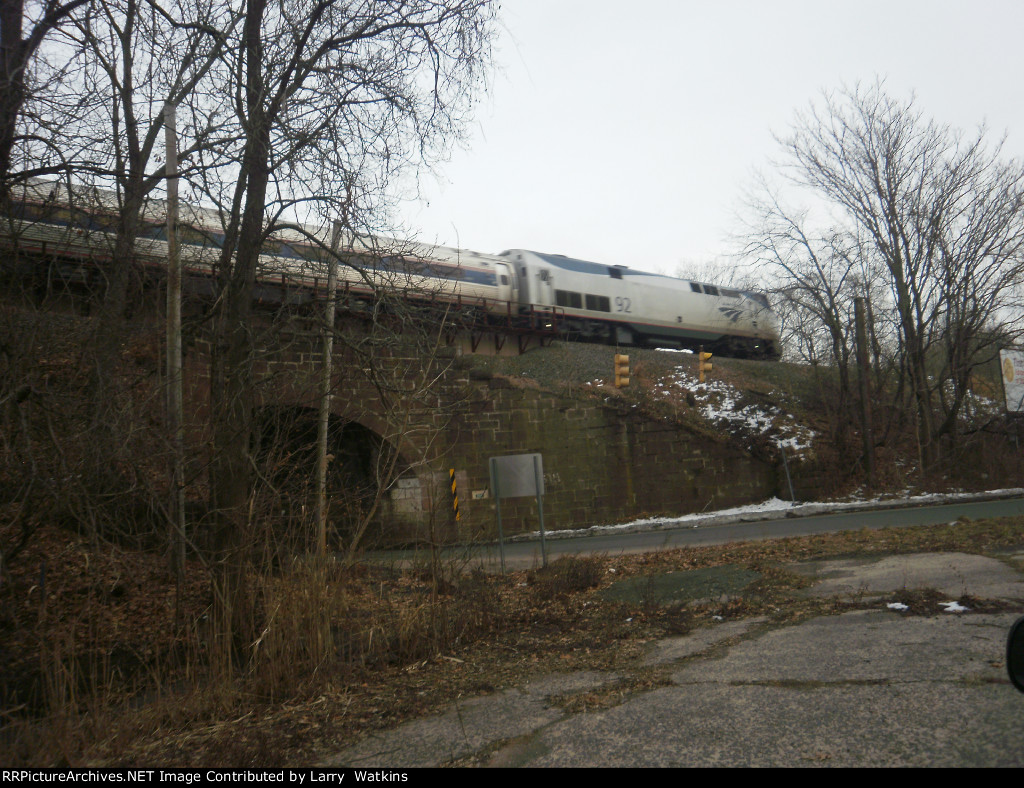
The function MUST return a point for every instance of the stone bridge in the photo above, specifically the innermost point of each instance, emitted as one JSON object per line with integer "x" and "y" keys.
{"x": 405, "y": 415}
{"x": 404, "y": 420}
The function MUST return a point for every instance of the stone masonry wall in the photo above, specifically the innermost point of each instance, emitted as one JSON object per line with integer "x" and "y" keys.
{"x": 602, "y": 465}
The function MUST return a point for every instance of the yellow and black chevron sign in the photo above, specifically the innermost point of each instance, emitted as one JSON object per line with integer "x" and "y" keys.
{"x": 455, "y": 494}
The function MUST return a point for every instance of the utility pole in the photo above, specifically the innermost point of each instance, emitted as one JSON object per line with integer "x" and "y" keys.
{"x": 175, "y": 407}
{"x": 327, "y": 344}
{"x": 864, "y": 369}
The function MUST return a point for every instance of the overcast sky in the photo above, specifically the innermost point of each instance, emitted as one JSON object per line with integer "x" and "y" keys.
{"x": 627, "y": 131}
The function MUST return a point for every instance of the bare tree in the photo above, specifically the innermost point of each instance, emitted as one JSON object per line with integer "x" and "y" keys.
{"x": 719, "y": 271}
{"x": 23, "y": 28}
{"x": 941, "y": 215}
{"x": 136, "y": 56}
{"x": 814, "y": 279}
{"x": 122, "y": 59}
{"x": 331, "y": 99}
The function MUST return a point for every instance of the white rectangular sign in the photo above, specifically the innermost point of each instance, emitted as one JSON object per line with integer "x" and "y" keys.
{"x": 1012, "y": 364}
{"x": 517, "y": 475}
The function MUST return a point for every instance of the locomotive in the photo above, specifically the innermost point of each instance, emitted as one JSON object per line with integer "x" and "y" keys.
{"x": 589, "y": 301}
{"x": 617, "y": 305}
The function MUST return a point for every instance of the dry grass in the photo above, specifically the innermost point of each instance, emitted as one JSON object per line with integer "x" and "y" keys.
{"x": 347, "y": 649}
{"x": 566, "y": 576}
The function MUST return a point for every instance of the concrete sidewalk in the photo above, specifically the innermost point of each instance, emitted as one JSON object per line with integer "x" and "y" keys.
{"x": 871, "y": 687}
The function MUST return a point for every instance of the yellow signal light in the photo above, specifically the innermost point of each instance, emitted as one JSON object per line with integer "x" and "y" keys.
{"x": 621, "y": 370}
{"x": 704, "y": 365}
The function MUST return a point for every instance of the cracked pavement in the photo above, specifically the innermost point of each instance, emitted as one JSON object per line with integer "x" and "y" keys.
{"x": 869, "y": 687}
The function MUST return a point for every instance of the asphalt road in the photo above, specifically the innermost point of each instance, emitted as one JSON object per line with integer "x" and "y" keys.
{"x": 527, "y": 553}
{"x": 870, "y": 686}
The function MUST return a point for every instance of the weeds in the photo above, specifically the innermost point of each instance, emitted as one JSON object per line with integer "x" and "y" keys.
{"x": 344, "y": 648}
{"x": 568, "y": 575}
{"x": 88, "y": 676}
{"x": 931, "y": 602}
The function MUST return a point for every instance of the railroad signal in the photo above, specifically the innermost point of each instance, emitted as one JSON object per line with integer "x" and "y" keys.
{"x": 621, "y": 370}
{"x": 703, "y": 364}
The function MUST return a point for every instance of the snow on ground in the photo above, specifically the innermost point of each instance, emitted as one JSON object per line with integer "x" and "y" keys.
{"x": 771, "y": 509}
{"x": 720, "y": 404}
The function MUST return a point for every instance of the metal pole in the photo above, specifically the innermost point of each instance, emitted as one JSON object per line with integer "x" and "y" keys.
{"x": 175, "y": 408}
{"x": 497, "y": 500}
{"x": 540, "y": 510}
{"x": 785, "y": 465}
{"x": 864, "y": 365}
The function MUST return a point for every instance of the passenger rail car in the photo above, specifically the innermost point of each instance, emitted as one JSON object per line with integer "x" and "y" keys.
{"x": 292, "y": 267}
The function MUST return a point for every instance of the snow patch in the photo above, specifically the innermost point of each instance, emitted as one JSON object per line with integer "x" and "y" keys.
{"x": 719, "y": 404}
{"x": 771, "y": 509}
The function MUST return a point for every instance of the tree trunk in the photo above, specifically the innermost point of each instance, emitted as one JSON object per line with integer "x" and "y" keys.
{"x": 12, "y": 84}
{"x": 15, "y": 54}
{"x": 232, "y": 376}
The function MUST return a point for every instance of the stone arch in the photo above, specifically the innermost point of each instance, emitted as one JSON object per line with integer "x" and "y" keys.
{"x": 370, "y": 478}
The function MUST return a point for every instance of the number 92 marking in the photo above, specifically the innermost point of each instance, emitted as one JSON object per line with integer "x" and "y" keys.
{"x": 622, "y": 304}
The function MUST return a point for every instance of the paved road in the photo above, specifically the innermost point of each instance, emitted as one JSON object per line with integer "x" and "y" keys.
{"x": 871, "y": 687}
{"x": 783, "y": 523}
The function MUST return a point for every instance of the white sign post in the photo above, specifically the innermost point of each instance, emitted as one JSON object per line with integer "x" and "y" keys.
{"x": 518, "y": 476}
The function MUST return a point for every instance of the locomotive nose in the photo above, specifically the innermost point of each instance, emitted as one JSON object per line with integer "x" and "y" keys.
{"x": 772, "y": 326}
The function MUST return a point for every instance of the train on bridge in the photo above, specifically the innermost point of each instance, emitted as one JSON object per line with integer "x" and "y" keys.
{"x": 72, "y": 231}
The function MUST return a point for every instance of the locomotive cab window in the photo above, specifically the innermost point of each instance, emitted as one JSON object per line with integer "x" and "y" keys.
{"x": 711, "y": 290}
{"x": 569, "y": 299}
{"x": 695, "y": 287}
{"x": 597, "y": 303}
